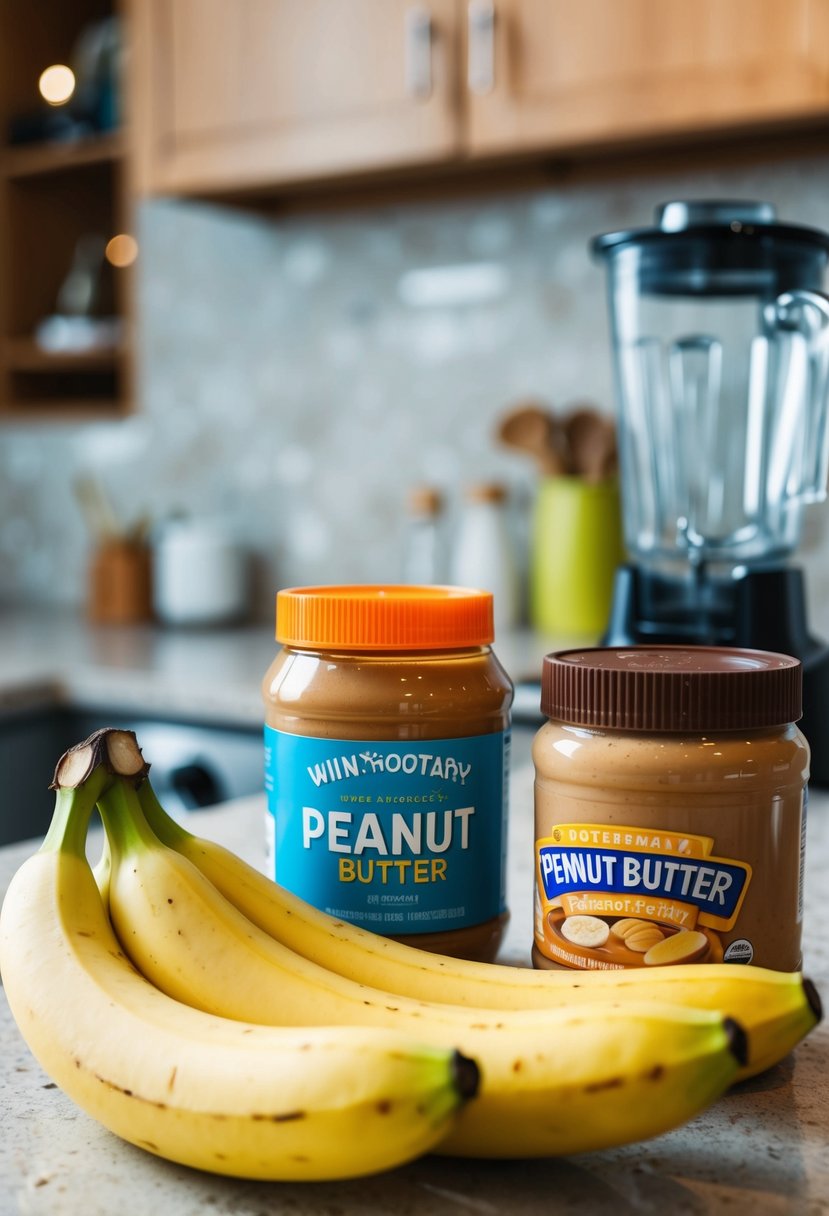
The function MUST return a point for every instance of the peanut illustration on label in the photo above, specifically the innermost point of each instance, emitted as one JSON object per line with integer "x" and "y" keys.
{"x": 686, "y": 946}
{"x": 638, "y": 935}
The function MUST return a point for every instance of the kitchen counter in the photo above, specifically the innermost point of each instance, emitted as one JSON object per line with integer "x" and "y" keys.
{"x": 197, "y": 675}
{"x": 761, "y": 1149}
{"x": 49, "y": 658}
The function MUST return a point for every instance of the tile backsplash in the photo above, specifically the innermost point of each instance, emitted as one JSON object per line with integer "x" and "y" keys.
{"x": 297, "y": 376}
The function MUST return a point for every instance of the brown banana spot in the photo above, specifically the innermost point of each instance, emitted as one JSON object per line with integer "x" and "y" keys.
{"x": 517, "y": 1065}
{"x": 656, "y": 1073}
{"x": 172, "y": 1079}
{"x": 610, "y": 1083}
{"x": 290, "y": 1116}
{"x": 384, "y": 1106}
{"x": 128, "y": 1093}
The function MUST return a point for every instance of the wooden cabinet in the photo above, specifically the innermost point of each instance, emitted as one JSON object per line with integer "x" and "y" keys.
{"x": 259, "y": 92}
{"x": 566, "y": 74}
{"x": 270, "y": 94}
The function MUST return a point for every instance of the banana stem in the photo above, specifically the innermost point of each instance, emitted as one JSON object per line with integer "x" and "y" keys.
{"x": 117, "y": 750}
{"x": 126, "y": 828}
{"x": 73, "y": 809}
{"x": 164, "y": 826}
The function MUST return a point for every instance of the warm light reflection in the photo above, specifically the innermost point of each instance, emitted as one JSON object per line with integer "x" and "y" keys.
{"x": 122, "y": 250}
{"x": 56, "y": 84}
{"x": 567, "y": 747}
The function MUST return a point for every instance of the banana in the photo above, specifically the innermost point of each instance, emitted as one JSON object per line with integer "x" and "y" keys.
{"x": 776, "y": 1009}
{"x": 250, "y": 1101}
{"x": 553, "y": 1081}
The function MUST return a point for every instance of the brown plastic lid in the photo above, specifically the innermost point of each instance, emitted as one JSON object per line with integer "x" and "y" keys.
{"x": 672, "y": 688}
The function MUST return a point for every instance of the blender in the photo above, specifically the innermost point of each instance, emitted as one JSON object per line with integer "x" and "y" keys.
{"x": 721, "y": 353}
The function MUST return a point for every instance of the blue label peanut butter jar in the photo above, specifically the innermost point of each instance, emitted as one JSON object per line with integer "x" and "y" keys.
{"x": 387, "y": 734}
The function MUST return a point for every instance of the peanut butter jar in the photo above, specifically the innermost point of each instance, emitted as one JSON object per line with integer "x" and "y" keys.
{"x": 670, "y": 808}
{"x": 387, "y": 732}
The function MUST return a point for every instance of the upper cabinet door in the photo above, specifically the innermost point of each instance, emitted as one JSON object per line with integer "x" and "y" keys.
{"x": 231, "y": 94}
{"x": 557, "y": 73}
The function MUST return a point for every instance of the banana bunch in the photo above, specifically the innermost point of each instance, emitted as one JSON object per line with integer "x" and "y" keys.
{"x": 561, "y": 1080}
{"x": 777, "y": 1009}
{"x": 270, "y": 1040}
{"x": 229, "y": 1097}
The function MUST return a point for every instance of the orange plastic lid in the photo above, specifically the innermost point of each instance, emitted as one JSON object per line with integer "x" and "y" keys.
{"x": 384, "y": 617}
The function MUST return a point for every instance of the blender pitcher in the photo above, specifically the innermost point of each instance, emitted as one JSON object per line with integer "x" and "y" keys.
{"x": 721, "y": 353}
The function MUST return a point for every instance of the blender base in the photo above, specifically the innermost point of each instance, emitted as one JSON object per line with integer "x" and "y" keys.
{"x": 763, "y": 609}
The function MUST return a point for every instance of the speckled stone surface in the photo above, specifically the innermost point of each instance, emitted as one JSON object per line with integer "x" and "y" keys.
{"x": 761, "y": 1149}
{"x": 53, "y": 656}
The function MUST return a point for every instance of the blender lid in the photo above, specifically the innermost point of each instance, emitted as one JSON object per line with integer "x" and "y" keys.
{"x": 711, "y": 219}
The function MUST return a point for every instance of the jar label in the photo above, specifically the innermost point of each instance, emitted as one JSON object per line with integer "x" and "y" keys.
{"x": 614, "y": 896}
{"x": 397, "y": 837}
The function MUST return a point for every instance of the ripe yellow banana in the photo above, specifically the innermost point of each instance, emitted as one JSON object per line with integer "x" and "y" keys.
{"x": 251, "y": 1101}
{"x": 553, "y": 1081}
{"x": 776, "y": 1009}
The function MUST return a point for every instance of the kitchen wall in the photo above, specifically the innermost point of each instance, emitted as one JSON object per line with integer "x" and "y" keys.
{"x": 291, "y": 387}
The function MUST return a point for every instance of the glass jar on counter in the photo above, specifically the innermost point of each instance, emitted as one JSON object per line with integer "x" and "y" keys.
{"x": 670, "y": 801}
{"x": 387, "y": 734}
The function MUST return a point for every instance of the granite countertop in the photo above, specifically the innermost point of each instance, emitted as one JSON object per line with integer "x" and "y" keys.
{"x": 55, "y": 657}
{"x": 198, "y": 675}
{"x": 761, "y": 1149}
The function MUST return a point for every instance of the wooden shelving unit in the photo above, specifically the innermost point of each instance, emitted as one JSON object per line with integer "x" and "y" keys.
{"x": 51, "y": 195}
{"x": 57, "y": 157}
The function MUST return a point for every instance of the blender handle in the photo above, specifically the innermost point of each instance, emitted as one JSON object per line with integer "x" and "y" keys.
{"x": 819, "y": 311}
{"x": 806, "y": 312}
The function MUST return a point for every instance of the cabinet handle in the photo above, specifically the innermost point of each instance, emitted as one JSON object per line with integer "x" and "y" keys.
{"x": 418, "y": 51}
{"x": 481, "y": 66}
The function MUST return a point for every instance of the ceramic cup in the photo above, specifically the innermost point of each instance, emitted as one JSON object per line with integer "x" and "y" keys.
{"x": 576, "y": 547}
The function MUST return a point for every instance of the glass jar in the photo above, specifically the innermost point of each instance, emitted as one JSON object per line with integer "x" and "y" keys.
{"x": 670, "y": 801}
{"x": 387, "y": 734}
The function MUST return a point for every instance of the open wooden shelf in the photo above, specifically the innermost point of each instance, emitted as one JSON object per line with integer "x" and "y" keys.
{"x": 54, "y": 409}
{"x": 31, "y": 160}
{"x": 52, "y": 196}
{"x": 25, "y": 355}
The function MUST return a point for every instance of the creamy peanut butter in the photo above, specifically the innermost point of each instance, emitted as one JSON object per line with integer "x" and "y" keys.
{"x": 387, "y": 742}
{"x": 670, "y": 802}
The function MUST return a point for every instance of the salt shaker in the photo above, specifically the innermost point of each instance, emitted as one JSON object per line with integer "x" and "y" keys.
{"x": 424, "y": 560}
